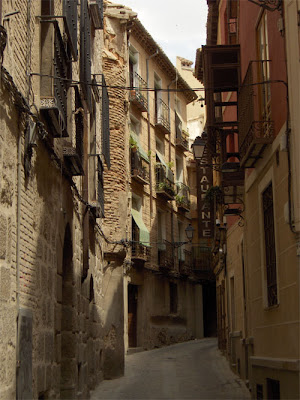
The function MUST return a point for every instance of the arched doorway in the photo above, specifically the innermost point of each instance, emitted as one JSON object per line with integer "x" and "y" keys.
{"x": 69, "y": 368}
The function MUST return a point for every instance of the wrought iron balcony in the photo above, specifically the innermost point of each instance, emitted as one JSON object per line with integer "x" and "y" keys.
{"x": 137, "y": 95}
{"x": 166, "y": 255}
{"x": 162, "y": 117}
{"x": 185, "y": 264}
{"x": 140, "y": 252}
{"x": 202, "y": 262}
{"x": 182, "y": 140}
{"x": 183, "y": 196}
{"x": 165, "y": 186}
{"x": 139, "y": 168}
{"x": 54, "y": 72}
{"x": 256, "y": 130}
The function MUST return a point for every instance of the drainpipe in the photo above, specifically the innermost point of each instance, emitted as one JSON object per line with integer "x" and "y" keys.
{"x": 149, "y": 133}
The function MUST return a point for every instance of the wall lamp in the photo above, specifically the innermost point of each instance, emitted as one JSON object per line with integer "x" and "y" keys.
{"x": 199, "y": 146}
{"x": 270, "y": 5}
{"x": 189, "y": 231}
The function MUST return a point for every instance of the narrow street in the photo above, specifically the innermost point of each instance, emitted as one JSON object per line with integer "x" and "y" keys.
{"x": 190, "y": 370}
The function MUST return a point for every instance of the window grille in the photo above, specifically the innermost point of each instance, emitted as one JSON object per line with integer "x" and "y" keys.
{"x": 270, "y": 253}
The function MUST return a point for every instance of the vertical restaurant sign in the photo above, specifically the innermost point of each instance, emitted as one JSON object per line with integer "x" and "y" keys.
{"x": 205, "y": 210}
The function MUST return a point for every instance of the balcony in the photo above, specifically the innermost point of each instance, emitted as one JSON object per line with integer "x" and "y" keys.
{"x": 256, "y": 130}
{"x": 202, "y": 262}
{"x": 183, "y": 197}
{"x": 162, "y": 117}
{"x": 182, "y": 140}
{"x": 165, "y": 186}
{"x": 136, "y": 95}
{"x": 139, "y": 168}
{"x": 185, "y": 263}
{"x": 166, "y": 256}
{"x": 53, "y": 92}
{"x": 140, "y": 252}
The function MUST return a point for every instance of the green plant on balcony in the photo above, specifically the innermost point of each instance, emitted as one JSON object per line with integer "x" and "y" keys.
{"x": 133, "y": 144}
{"x": 213, "y": 195}
{"x": 166, "y": 187}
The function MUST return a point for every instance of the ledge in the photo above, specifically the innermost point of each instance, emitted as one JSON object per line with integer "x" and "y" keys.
{"x": 276, "y": 363}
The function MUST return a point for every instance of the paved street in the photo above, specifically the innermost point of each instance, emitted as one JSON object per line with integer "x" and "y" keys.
{"x": 191, "y": 370}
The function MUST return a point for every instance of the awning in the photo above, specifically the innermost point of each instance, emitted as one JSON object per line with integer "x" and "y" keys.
{"x": 142, "y": 152}
{"x": 144, "y": 233}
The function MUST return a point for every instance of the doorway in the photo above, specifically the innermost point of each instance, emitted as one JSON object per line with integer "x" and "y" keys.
{"x": 132, "y": 314}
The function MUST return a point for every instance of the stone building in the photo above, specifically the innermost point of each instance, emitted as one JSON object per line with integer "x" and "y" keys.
{"x": 251, "y": 99}
{"x": 162, "y": 293}
{"x": 61, "y": 307}
{"x": 93, "y": 258}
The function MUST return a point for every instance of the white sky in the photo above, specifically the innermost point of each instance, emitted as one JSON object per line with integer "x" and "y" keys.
{"x": 179, "y": 27}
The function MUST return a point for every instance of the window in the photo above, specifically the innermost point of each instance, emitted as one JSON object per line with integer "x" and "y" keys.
{"x": 232, "y": 304}
{"x": 173, "y": 298}
{"x": 179, "y": 170}
{"x": 133, "y": 65}
{"x": 264, "y": 69}
{"x": 270, "y": 253}
{"x": 158, "y": 97}
{"x": 160, "y": 147}
{"x": 259, "y": 392}
{"x": 273, "y": 389}
{"x": 134, "y": 127}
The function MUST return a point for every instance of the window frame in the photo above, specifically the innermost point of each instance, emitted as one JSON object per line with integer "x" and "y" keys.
{"x": 265, "y": 182}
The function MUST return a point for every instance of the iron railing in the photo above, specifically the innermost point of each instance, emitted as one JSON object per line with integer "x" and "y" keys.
{"x": 164, "y": 181}
{"x": 139, "y": 167}
{"x": 186, "y": 263}
{"x": 162, "y": 115}
{"x": 201, "y": 258}
{"x": 182, "y": 196}
{"x": 166, "y": 255}
{"x": 255, "y": 125}
{"x": 182, "y": 139}
{"x": 137, "y": 94}
{"x": 138, "y": 249}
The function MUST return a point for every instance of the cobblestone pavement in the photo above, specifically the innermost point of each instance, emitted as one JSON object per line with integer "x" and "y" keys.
{"x": 190, "y": 370}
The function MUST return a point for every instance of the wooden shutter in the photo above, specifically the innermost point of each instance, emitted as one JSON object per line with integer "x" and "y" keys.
{"x": 70, "y": 12}
{"x": 85, "y": 52}
{"x": 100, "y": 193}
{"x": 105, "y": 124}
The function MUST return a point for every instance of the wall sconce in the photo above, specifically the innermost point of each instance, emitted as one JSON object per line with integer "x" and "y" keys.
{"x": 199, "y": 145}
